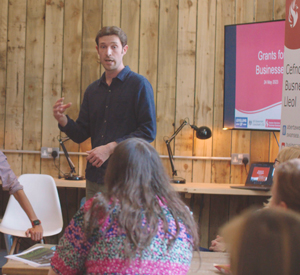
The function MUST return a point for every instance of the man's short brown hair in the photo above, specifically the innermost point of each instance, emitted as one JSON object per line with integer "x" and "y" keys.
{"x": 112, "y": 30}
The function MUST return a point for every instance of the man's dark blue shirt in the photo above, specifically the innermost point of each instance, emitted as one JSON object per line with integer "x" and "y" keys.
{"x": 125, "y": 109}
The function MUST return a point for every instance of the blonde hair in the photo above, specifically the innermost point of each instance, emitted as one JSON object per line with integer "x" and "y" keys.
{"x": 288, "y": 153}
{"x": 264, "y": 242}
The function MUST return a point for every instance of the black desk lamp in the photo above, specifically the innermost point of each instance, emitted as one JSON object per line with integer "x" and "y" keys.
{"x": 72, "y": 175}
{"x": 202, "y": 133}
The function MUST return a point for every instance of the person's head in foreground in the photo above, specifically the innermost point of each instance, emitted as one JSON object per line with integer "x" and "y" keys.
{"x": 140, "y": 226}
{"x": 264, "y": 242}
{"x": 287, "y": 153}
{"x": 286, "y": 185}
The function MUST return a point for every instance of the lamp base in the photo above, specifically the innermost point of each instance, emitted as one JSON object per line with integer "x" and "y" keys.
{"x": 177, "y": 180}
{"x": 73, "y": 177}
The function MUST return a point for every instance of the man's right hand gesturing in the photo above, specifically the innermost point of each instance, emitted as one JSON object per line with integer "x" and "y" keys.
{"x": 58, "y": 111}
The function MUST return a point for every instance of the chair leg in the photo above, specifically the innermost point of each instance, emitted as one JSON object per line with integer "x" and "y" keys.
{"x": 8, "y": 242}
{"x": 18, "y": 245}
{"x": 15, "y": 242}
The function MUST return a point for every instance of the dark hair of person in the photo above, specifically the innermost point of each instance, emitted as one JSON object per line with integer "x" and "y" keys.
{"x": 288, "y": 184}
{"x": 264, "y": 242}
{"x": 136, "y": 179}
{"x": 112, "y": 30}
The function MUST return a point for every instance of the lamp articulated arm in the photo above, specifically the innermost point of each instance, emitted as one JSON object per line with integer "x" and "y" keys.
{"x": 174, "y": 172}
{"x": 71, "y": 164}
{"x": 72, "y": 175}
{"x": 201, "y": 133}
{"x": 168, "y": 141}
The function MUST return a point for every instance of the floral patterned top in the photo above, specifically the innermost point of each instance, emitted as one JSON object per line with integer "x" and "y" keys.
{"x": 103, "y": 253}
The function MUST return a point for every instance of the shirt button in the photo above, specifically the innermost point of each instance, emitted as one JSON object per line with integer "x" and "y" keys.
{"x": 106, "y": 106}
{"x": 104, "y": 121}
{"x": 102, "y": 136}
{"x": 109, "y": 91}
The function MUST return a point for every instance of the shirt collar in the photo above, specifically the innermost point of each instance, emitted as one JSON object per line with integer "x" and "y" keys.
{"x": 121, "y": 76}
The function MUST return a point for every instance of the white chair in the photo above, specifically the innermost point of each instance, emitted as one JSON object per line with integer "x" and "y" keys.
{"x": 43, "y": 196}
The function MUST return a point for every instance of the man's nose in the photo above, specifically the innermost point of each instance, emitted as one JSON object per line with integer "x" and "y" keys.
{"x": 108, "y": 51}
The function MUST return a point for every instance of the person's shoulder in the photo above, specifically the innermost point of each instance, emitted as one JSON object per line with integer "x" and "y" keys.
{"x": 93, "y": 85}
{"x": 1, "y": 154}
{"x": 138, "y": 77}
{"x": 3, "y": 159}
{"x": 164, "y": 207}
{"x": 92, "y": 90}
{"x": 133, "y": 76}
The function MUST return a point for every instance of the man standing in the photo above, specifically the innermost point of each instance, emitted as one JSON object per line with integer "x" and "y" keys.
{"x": 117, "y": 106}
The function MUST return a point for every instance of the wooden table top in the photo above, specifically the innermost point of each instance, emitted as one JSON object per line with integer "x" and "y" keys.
{"x": 217, "y": 189}
{"x": 69, "y": 183}
{"x": 204, "y": 263}
{"x": 201, "y": 264}
{"x": 189, "y": 187}
{"x": 20, "y": 268}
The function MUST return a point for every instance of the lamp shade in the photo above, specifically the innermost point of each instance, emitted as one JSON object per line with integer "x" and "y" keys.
{"x": 202, "y": 132}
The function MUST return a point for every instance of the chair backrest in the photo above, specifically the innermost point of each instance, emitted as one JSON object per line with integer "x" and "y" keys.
{"x": 43, "y": 196}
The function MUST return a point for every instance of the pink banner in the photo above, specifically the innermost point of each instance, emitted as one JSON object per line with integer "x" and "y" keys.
{"x": 259, "y": 66}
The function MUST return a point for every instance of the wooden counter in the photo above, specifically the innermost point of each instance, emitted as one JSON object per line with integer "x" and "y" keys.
{"x": 202, "y": 263}
{"x": 217, "y": 189}
{"x": 190, "y": 187}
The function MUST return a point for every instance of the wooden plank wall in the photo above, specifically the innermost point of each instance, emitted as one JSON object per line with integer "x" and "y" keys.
{"x": 47, "y": 51}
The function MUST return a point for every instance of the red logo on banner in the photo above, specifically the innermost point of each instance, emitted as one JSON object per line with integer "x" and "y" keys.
{"x": 272, "y": 123}
{"x": 292, "y": 24}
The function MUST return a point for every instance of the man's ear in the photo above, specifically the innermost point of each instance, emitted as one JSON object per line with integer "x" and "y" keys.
{"x": 283, "y": 205}
{"x": 125, "y": 48}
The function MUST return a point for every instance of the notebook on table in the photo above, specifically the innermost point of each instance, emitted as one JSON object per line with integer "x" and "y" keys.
{"x": 260, "y": 177}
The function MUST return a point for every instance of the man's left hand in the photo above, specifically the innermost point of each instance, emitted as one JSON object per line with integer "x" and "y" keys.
{"x": 100, "y": 154}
